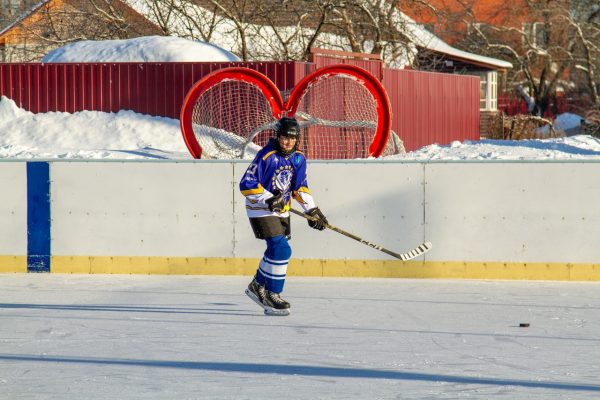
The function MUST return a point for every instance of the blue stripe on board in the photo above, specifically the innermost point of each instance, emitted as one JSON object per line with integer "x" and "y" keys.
{"x": 38, "y": 217}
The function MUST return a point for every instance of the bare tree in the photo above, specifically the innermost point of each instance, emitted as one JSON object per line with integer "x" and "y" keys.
{"x": 240, "y": 14}
{"x": 162, "y": 12}
{"x": 197, "y": 22}
{"x": 192, "y": 19}
{"x": 545, "y": 51}
{"x": 379, "y": 27}
{"x": 285, "y": 29}
{"x": 77, "y": 20}
{"x": 290, "y": 30}
{"x": 11, "y": 10}
{"x": 584, "y": 20}
{"x": 366, "y": 24}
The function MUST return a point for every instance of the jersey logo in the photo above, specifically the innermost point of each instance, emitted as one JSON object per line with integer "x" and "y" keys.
{"x": 282, "y": 178}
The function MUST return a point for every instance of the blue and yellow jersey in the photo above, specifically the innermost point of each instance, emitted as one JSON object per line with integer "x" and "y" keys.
{"x": 270, "y": 172}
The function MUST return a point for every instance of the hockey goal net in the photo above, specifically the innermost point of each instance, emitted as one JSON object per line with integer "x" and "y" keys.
{"x": 343, "y": 111}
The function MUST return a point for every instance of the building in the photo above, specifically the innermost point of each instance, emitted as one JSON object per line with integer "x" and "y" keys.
{"x": 436, "y": 55}
{"x": 52, "y": 23}
{"x": 552, "y": 44}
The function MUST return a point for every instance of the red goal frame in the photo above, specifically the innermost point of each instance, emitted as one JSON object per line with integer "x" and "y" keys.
{"x": 279, "y": 109}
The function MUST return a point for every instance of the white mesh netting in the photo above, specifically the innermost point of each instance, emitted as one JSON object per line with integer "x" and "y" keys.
{"x": 338, "y": 116}
{"x": 226, "y": 115}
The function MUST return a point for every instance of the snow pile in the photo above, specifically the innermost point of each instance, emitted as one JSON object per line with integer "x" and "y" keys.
{"x": 566, "y": 124}
{"x": 141, "y": 49}
{"x": 129, "y": 135}
{"x": 87, "y": 134}
{"x": 567, "y": 121}
{"x": 578, "y": 147}
{"x": 221, "y": 144}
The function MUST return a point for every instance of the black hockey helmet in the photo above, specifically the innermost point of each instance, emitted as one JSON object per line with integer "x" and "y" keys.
{"x": 288, "y": 127}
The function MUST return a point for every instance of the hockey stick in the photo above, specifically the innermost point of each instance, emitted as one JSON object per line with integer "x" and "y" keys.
{"x": 409, "y": 255}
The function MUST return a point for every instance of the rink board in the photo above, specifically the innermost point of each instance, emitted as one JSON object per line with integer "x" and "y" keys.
{"x": 142, "y": 209}
{"x": 13, "y": 217}
{"x": 487, "y": 220}
{"x": 515, "y": 211}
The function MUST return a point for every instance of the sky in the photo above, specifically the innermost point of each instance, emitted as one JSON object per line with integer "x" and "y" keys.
{"x": 130, "y": 135}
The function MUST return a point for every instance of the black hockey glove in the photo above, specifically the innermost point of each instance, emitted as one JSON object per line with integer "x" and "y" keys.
{"x": 319, "y": 221}
{"x": 276, "y": 203}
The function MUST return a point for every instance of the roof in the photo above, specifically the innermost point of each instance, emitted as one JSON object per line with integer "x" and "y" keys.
{"x": 417, "y": 34}
{"x": 423, "y": 38}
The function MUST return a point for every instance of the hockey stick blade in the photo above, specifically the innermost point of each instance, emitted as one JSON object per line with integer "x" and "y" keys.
{"x": 409, "y": 255}
{"x": 416, "y": 252}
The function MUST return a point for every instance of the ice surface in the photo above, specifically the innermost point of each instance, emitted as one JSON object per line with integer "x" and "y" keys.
{"x": 198, "y": 337}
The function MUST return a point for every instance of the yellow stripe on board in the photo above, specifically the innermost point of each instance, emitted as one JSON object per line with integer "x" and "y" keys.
{"x": 153, "y": 265}
{"x": 325, "y": 268}
{"x": 16, "y": 264}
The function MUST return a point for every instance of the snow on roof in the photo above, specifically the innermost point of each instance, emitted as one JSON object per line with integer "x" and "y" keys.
{"x": 423, "y": 38}
{"x": 141, "y": 49}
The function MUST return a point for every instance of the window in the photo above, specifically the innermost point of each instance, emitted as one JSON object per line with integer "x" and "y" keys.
{"x": 535, "y": 34}
{"x": 492, "y": 90}
{"x": 483, "y": 91}
{"x": 488, "y": 90}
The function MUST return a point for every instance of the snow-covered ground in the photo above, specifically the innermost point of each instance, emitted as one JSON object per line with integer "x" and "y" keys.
{"x": 87, "y": 135}
{"x": 72, "y": 337}
{"x": 129, "y": 135}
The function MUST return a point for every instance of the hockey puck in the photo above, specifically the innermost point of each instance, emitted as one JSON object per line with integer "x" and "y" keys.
{"x": 524, "y": 325}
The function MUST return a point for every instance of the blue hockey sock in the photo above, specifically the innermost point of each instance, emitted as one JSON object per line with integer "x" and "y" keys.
{"x": 273, "y": 266}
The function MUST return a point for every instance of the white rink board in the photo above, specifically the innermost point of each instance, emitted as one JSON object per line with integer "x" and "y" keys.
{"x": 245, "y": 243}
{"x": 13, "y": 208}
{"x": 383, "y": 203}
{"x": 514, "y": 212}
{"x": 142, "y": 209}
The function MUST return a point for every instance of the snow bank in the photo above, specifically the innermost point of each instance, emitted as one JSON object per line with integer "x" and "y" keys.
{"x": 141, "y": 49}
{"x": 87, "y": 134}
{"x": 130, "y": 135}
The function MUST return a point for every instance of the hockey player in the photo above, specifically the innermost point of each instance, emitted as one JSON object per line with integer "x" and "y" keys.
{"x": 277, "y": 173}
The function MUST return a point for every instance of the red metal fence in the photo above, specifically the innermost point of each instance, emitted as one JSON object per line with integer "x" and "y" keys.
{"x": 432, "y": 107}
{"x": 427, "y": 108}
{"x": 148, "y": 88}
{"x": 370, "y": 62}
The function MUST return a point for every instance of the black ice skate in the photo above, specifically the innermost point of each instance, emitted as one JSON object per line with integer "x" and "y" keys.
{"x": 256, "y": 292}
{"x": 275, "y": 304}
{"x": 271, "y": 302}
